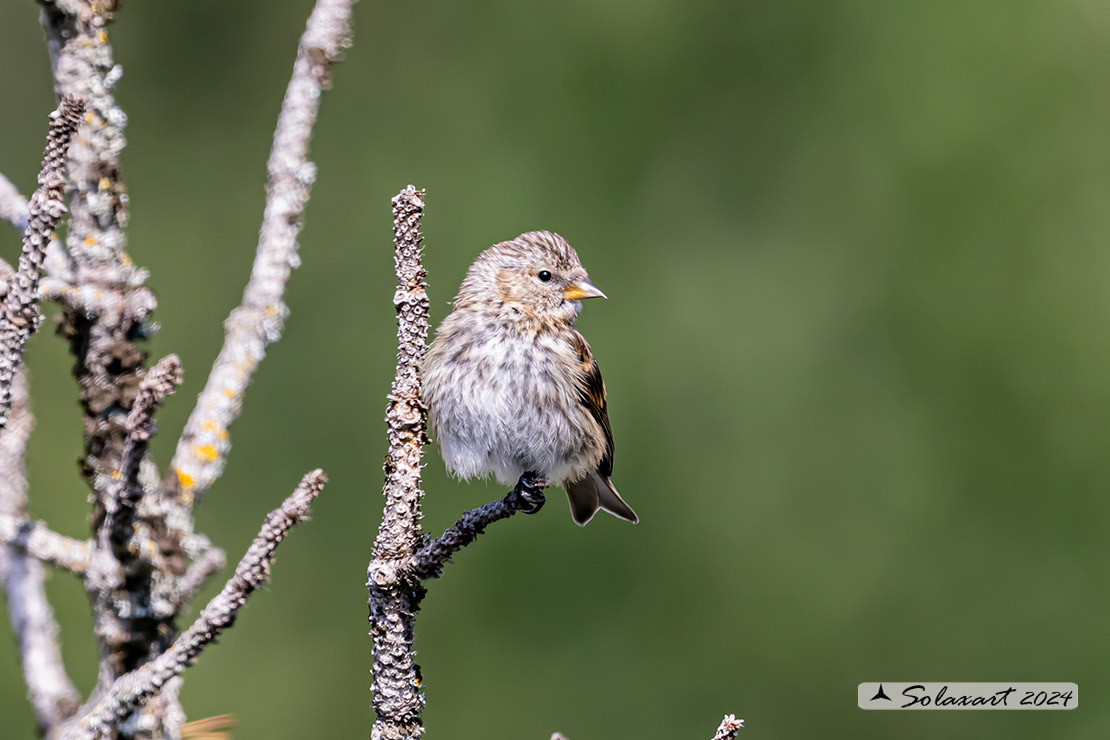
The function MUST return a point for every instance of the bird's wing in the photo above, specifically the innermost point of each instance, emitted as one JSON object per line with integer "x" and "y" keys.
{"x": 592, "y": 394}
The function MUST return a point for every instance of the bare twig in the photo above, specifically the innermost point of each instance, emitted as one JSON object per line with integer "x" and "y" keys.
{"x": 43, "y": 544}
{"x": 394, "y": 598}
{"x": 730, "y": 728}
{"x": 52, "y": 694}
{"x": 200, "y": 570}
{"x": 158, "y": 384}
{"x": 120, "y": 505}
{"x": 13, "y": 206}
{"x": 21, "y": 312}
{"x": 428, "y": 561}
{"x": 137, "y": 687}
{"x": 258, "y": 320}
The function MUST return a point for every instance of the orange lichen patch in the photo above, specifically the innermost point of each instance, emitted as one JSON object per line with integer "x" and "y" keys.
{"x": 89, "y": 241}
{"x": 208, "y": 453}
{"x": 89, "y": 116}
{"x": 116, "y": 475}
{"x": 125, "y": 260}
{"x": 230, "y": 393}
{"x": 185, "y": 479}
{"x": 271, "y": 311}
{"x": 102, "y": 37}
{"x": 104, "y": 183}
{"x": 210, "y": 426}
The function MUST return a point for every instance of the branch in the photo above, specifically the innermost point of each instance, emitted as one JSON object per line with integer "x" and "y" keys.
{"x": 258, "y": 320}
{"x": 53, "y": 696}
{"x": 55, "y": 280}
{"x": 20, "y": 311}
{"x": 105, "y": 306}
{"x": 730, "y": 728}
{"x": 121, "y": 504}
{"x": 198, "y": 572}
{"x": 428, "y": 561}
{"x": 13, "y": 206}
{"x": 157, "y": 385}
{"x": 394, "y": 598}
{"x": 43, "y": 544}
{"x": 135, "y": 688}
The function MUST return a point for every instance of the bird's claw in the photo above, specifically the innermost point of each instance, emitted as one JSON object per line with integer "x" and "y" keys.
{"x": 529, "y": 490}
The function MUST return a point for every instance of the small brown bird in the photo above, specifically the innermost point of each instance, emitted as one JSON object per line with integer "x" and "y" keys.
{"x": 513, "y": 388}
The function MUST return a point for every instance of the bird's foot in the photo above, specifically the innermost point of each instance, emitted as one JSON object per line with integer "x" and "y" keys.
{"x": 528, "y": 493}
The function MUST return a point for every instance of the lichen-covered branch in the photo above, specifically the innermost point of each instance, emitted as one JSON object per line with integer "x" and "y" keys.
{"x": 122, "y": 501}
{"x": 52, "y": 694}
{"x": 104, "y": 334}
{"x": 136, "y": 567}
{"x": 258, "y": 320}
{"x": 13, "y": 206}
{"x": 105, "y": 318}
{"x": 158, "y": 384}
{"x": 206, "y": 565}
{"x": 20, "y": 315}
{"x": 43, "y": 544}
{"x": 394, "y": 598}
{"x": 138, "y": 686}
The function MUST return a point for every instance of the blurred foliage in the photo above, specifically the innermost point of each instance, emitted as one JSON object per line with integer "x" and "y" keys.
{"x": 855, "y": 345}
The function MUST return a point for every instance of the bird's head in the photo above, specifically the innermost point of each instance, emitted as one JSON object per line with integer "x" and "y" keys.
{"x": 536, "y": 276}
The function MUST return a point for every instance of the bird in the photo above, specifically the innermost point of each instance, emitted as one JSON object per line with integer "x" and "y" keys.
{"x": 512, "y": 389}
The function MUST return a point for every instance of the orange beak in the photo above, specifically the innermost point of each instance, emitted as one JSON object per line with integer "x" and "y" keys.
{"x": 582, "y": 289}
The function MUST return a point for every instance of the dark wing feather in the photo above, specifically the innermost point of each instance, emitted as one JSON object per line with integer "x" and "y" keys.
{"x": 592, "y": 393}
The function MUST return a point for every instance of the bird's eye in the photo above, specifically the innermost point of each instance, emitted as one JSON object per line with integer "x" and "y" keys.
{"x": 543, "y": 275}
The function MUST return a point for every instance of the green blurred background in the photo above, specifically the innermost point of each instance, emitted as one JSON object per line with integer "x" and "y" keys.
{"x": 856, "y": 348}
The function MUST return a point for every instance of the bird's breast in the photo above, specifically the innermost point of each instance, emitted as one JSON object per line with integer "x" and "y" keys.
{"x": 503, "y": 402}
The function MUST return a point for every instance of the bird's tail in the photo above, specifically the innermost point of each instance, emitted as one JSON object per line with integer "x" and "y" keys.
{"x": 594, "y": 492}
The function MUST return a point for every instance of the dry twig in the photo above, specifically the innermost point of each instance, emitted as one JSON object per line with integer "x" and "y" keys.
{"x": 13, "y": 206}
{"x": 43, "y": 544}
{"x": 20, "y": 315}
{"x": 258, "y": 320}
{"x": 52, "y": 694}
{"x": 135, "y": 688}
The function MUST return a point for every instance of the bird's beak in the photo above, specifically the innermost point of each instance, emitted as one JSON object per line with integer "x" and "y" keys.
{"x": 582, "y": 289}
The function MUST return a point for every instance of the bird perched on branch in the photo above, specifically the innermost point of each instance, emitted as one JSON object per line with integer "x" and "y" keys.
{"x": 513, "y": 388}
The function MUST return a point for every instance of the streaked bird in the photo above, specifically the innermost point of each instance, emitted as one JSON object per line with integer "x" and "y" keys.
{"x": 511, "y": 385}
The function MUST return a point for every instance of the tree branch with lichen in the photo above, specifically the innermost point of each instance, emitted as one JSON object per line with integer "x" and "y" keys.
{"x": 136, "y": 568}
{"x": 258, "y": 320}
{"x": 135, "y": 688}
{"x": 52, "y": 694}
